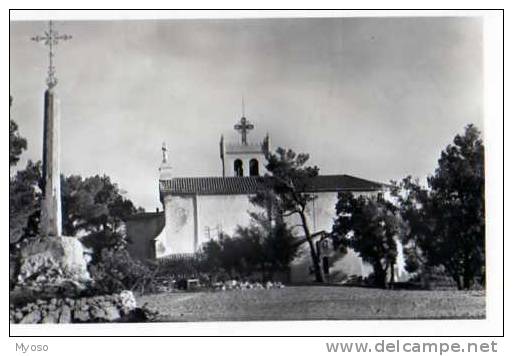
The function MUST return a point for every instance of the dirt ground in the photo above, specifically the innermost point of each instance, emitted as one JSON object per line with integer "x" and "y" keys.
{"x": 316, "y": 303}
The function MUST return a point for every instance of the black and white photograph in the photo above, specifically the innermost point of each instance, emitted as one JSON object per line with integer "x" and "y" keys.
{"x": 248, "y": 169}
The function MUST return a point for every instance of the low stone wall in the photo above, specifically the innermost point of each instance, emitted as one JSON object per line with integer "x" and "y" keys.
{"x": 107, "y": 308}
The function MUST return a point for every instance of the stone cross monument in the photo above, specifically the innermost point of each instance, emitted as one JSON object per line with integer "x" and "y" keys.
{"x": 51, "y": 214}
{"x": 52, "y": 263}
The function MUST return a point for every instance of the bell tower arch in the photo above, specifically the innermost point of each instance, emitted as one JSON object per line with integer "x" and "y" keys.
{"x": 243, "y": 158}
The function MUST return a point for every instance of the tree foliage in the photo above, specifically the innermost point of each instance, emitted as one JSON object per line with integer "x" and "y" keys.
{"x": 288, "y": 194}
{"x": 211, "y": 256}
{"x": 24, "y": 202}
{"x": 92, "y": 208}
{"x": 24, "y": 189}
{"x": 369, "y": 225}
{"x": 418, "y": 222}
{"x": 230, "y": 255}
{"x": 445, "y": 224}
{"x": 117, "y": 271}
{"x": 17, "y": 143}
{"x": 95, "y": 208}
{"x": 265, "y": 248}
{"x": 280, "y": 248}
{"x": 93, "y": 204}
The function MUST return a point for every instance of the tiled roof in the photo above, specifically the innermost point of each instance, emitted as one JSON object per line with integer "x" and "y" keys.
{"x": 251, "y": 185}
{"x": 145, "y": 215}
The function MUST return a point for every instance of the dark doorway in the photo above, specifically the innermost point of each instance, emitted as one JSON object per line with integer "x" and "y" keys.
{"x": 237, "y": 167}
{"x": 326, "y": 265}
{"x": 253, "y": 167}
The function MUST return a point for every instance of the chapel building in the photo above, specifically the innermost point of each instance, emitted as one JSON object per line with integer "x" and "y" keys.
{"x": 197, "y": 209}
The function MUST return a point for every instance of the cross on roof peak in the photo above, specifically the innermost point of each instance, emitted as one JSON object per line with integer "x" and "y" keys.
{"x": 243, "y": 127}
{"x": 165, "y": 156}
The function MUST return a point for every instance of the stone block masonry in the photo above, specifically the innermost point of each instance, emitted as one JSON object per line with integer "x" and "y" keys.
{"x": 106, "y": 308}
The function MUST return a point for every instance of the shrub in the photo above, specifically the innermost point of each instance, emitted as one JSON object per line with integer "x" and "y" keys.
{"x": 117, "y": 271}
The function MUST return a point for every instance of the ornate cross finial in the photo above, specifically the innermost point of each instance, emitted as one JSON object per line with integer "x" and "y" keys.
{"x": 51, "y": 38}
{"x": 243, "y": 127}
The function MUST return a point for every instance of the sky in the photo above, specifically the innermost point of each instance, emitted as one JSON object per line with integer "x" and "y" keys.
{"x": 377, "y": 98}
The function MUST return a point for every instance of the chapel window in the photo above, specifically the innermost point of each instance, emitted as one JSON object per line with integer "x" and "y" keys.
{"x": 253, "y": 167}
{"x": 237, "y": 168}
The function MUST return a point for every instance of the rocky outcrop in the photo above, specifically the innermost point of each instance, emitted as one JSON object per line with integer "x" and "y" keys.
{"x": 53, "y": 285}
{"x": 106, "y": 308}
{"x": 53, "y": 261}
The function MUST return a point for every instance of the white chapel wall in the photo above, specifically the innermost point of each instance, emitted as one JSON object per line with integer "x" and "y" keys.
{"x": 226, "y": 212}
{"x": 180, "y": 225}
{"x": 321, "y": 212}
{"x": 222, "y": 213}
{"x": 320, "y": 216}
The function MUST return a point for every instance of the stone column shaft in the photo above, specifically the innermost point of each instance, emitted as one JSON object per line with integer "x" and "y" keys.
{"x": 51, "y": 214}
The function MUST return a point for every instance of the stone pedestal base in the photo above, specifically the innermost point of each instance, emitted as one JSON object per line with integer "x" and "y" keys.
{"x": 53, "y": 261}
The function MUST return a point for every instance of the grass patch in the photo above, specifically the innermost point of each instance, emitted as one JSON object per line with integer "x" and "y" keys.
{"x": 316, "y": 303}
